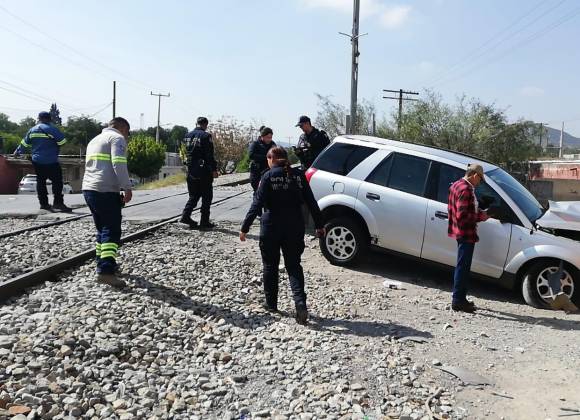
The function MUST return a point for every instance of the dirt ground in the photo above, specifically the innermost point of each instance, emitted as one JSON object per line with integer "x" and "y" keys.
{"x": 531, "y": 356}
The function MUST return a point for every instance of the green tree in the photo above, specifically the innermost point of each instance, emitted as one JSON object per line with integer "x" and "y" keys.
{"x": 78, "y": 132}
{"x": 55, "y": 115}
{"x": 145, "y": 156}
{"x": 24, "y": 125}
{"x": 230, "y": 139}
{"x": 6, "y": 125}
{"x": 9, "y": 142}
{"x": 176, "y": 135}
{"x": 331, "y": 117}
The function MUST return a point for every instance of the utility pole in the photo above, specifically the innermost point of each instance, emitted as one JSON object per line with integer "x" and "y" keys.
{"x": 159, "y": 95}
{"x": 351, "y": 127}
{"x": 561, "y": 141}
{"x": 141, "y": 121}
{"x": 400, "y": 98}
{"x": 374, "y": 125}
{"x": 542, "y": 134}
{"x": 114, "y": 99}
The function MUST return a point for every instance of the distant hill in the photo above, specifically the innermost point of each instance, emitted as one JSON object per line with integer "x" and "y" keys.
{"x": 569, "y": 140}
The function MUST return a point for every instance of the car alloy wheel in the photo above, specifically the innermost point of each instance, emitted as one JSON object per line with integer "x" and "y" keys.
{"x": 543, "y": 285}
{"x": 341, "y": 243}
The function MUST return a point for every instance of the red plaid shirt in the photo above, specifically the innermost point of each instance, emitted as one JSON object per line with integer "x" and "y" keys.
{"x": 463, "y": 216}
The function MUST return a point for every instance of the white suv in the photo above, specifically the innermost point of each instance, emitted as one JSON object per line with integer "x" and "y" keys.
{"x": 393, "y": 195}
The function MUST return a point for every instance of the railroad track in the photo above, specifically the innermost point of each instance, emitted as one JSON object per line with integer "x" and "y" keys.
{"x": 83, "y": 216}
{"x": 16, "y": 285}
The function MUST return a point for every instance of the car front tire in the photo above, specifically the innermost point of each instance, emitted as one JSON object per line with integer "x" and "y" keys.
{"x": 344, "y": 243}
{"x": 535, "y": 287}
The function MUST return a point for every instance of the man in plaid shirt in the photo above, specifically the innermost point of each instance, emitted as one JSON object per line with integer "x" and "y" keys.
{"x": 464, "y": 214}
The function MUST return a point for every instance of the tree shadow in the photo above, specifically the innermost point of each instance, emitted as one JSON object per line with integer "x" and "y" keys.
{"x": 364, "y": 328}
{"x": 554, "y": 323}
{"x": 236, "y": 233}
{"x": 421, "y": 273}
{"x": 179, "y": 300}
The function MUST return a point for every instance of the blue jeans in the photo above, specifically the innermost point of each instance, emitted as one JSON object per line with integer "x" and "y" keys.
{"x": 106, "y": 211}
{"x": 461, "y": 273}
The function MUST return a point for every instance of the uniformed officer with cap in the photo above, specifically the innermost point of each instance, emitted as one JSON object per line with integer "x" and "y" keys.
{"x": 281, "y": 193}
{"x": 311, "y": 143}
{"x": 43, "y": 142}
{"x": 201, "y": 170}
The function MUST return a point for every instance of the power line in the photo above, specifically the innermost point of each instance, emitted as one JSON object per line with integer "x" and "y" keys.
{"x": 533, "y": 37}
{"x": 29, "y": 92}
{"x": 475, "y": 57}
{"x": 400, "y": 98}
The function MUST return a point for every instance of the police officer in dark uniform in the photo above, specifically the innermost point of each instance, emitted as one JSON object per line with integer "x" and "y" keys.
{"x": 281, "y": 193}
{"x": 201, "y": 170}
{"x": 257, "y": 152}
{"x": 311, "y": 143}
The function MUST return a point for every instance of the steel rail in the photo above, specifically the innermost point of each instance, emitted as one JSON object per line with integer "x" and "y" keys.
{"x": 50, "y": 272}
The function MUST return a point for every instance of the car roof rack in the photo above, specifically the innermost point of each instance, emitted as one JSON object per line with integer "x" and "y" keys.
{"x": 380, "y": 140}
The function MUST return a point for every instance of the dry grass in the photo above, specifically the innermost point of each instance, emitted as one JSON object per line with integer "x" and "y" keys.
{"x": 165, "y": 182}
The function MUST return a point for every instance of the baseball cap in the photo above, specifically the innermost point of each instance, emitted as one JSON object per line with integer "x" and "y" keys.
{"x": 478, "y": 169}
{"x": 303, "y": 119}
{"x": 44, "y": 115}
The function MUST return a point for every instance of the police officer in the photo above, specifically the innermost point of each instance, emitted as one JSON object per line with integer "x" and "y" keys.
{"x": 311, "y": 142}
{"x": 44, "y": 141}
{"x": 281, "y": 193}
{"x": 106, "y": 174}
{"x": 257, "y": 152}
{"x": 201, "y": 170}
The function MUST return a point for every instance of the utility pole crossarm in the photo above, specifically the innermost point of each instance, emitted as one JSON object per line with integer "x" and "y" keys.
{"x": 400, "y": 98}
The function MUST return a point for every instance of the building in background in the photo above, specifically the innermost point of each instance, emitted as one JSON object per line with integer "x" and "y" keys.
{"x": 557, "y": 180}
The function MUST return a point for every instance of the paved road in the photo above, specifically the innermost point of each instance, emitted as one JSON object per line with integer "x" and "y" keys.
{"x": 234, "y": 210}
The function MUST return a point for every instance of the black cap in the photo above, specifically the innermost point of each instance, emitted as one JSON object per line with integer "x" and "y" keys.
{"x": 44, "y": 115}
{"x": 303, "y": 119}
{"x": 202, "y": 121}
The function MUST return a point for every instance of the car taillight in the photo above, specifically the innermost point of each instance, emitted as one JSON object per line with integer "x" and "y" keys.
{"x": 311, "y": 171}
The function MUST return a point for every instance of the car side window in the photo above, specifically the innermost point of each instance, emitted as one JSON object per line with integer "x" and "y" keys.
{"x": 409, "y": 174}
{"x": 487, "y": 197}
{"x": 341, "y": 158}
{"x": 380, "y": 175}
{"x": 447, "y": 176}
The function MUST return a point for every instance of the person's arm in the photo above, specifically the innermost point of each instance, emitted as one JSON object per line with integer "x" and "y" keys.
{"x": 57, "y": 136}
{"x": 208, "y": 152}
{"x": 119, "y": 162}
{"x": 257, "y": 204}
{"x": 24, "y": 146}
{"x": 252, "y": 151}
{"x": 464, "y": 207}
{"x": 311, "y": 203}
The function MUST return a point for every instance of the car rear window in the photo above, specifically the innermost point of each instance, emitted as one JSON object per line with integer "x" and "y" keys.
{"x": 341, "y": 158}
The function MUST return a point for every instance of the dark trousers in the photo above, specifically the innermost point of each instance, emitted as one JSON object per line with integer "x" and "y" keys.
{"x": 255, "y": 182}
{"x": 291, "y": 242}
{"x": 53, "y": 172}
{"x": 462, "y": 269}
{"x": 106, "y": 211}
{"x": 199, "y": 188}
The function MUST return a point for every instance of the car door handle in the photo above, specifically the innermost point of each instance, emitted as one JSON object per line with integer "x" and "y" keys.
{"x": 441, "y": 215}
{"x": 374, "y": 197}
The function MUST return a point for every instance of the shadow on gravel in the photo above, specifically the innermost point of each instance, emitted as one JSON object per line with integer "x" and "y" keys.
{"x": 554, "y": 323}
{"x": 185, "y": 303}
{"x": 236, "y": 233}
{"x": 408, "y": 270}
{"x": 364, "y": 328}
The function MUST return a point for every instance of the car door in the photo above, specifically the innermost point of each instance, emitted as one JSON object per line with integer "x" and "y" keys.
{"x": 394, "y": 193}
{"x": 494, "y": 237}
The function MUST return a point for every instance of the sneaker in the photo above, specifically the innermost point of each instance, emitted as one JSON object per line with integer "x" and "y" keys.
{"x": 468, "y": 307}
{"x": 301, "y": 314}
{"x": 46, "y": 207}
{"x": 189, "y": 222}
{"x": 62, "y": 207}
{"x": 111, "y": 280}
{"x": 206, "y": 225}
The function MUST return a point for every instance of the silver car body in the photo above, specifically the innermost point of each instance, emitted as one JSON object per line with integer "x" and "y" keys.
{"x": 409, "y": 224}
{"x": 28, "y": 185}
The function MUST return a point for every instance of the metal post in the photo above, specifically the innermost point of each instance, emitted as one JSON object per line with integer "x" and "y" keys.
{"x": 560, "y": 154}
{"x": 114, "y": 99}
{"x": 159, "y": 95}
{"x": 354, "y": 73}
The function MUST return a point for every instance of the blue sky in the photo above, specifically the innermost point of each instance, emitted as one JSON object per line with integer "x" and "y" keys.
{"x": 262, "y": 61}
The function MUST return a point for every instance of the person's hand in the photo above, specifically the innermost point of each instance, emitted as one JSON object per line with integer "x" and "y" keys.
{"x": 483, "y": 216}
{"x": 127, "y": 196}
{"x": 216, "y": 174}
{"x": 320, "y": 233}
{"x": 242, "y": 236}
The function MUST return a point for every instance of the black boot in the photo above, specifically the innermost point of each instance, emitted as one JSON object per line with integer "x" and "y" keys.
{"x": 204, "y": 223}
{"x": 61, "y": 207}
{"x": 301, "y": 314}
{"x": 46, "y": 207}
{"x": 187, "y": 220}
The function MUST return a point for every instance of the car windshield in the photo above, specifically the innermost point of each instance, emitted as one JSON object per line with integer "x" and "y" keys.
{"x": 518, "y": 193}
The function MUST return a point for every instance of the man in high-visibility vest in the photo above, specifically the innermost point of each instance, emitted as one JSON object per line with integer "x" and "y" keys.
{"x": 106, "y": 175}
{"x": 43, "y": 142}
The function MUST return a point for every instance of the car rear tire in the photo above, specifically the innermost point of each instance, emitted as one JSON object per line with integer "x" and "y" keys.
{"x": 535, "y": 288}
{"x": 345, "y": 241}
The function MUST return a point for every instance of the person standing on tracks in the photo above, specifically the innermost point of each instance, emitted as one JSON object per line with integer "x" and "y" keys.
{"x": 463, "y": 214}
{"x": 311, "y": 143}
{"x": 257, "y": 152}
{"x": 201, "y": 171}
{"x": 281, "y": 193}
{"x": 43, "y": 141}
{"x": 106, "y": 175}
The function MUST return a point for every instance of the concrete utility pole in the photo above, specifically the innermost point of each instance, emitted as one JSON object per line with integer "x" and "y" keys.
{"x": 351, "y": 127}
{"x": 400, "y": 98}
{"x": 541, "y": 135}
{"x": 159, "y": 95}
{"x": 114, "y": 98}
{"x": 561, "y": 141}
